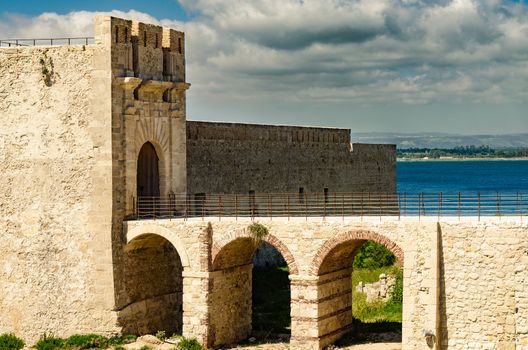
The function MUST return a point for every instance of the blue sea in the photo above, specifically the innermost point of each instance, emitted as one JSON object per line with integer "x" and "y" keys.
{"x": 503, "y": 176}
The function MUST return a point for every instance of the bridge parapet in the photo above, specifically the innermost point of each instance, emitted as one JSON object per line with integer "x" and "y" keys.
{"x": 331, "y": 205}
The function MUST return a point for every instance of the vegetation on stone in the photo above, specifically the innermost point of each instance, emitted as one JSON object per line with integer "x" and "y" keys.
{"x": 82, "y": 341}
{"x": 189, "y": 344}
{"x": 9, "y": 341}
{"x": 258, "y": 232}
{"x": 373, "y": 255}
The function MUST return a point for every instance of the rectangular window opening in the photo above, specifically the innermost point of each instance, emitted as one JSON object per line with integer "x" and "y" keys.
{"x": 301, "y": 195}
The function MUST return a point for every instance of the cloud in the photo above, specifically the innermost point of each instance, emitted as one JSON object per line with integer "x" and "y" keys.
{"x": 302, "y": 54}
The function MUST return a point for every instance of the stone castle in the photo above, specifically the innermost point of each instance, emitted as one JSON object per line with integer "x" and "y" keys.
{"x": 86, "y": 129}
{"x": 89, "y": 129}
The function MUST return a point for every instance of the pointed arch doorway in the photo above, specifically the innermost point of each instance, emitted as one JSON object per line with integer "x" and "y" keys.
{"x": 148, "y": 176}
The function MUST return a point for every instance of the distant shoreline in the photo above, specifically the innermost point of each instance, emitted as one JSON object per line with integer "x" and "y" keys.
{"x": 444, "y": 159}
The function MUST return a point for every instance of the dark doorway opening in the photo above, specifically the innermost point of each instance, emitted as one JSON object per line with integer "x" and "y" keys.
{"x": 271, "y": 295}
{"x": 148, "y": 177}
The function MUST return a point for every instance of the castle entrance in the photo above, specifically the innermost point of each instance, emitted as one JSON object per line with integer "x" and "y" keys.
{"x": 148, "y": 177}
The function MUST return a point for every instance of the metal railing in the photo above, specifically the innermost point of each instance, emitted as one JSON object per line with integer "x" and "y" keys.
{"x": 324, "y": 205}
{"x": 46, "y": 42}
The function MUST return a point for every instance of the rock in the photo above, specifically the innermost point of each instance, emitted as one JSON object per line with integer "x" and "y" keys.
{"x": 150, "y": 339}
{"x": 252, "y": 339}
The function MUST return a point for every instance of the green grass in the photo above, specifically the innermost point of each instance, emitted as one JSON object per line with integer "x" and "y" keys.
{"x": 390, "y": 311}
{"x": 271, "y": 299}
{"x": 81, "y": 342}
{"x": 9, "y": 341}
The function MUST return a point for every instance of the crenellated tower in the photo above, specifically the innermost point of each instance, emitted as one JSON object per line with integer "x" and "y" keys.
{"x": 148, "y": 108}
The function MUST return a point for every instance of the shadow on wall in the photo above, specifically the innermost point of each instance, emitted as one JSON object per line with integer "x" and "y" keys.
{"x": 153, "y": 282}
{"x": 442, "y": 332}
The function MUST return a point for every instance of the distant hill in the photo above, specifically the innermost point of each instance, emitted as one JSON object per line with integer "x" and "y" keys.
{"x": 442, "y": 140}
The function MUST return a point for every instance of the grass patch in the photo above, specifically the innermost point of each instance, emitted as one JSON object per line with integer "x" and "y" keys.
{"x": 271, "y": 299}
{"x": 376, "y": 312}
{"x": 82, "y": 342}
{"x": 50, "y": 342}
{"x": 9, "y": 341}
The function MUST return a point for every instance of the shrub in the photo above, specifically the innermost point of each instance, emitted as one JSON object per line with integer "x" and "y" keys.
{"x": 397, "y": 293}
{"x": 161, "y": 335}
{"x": 258, "y": 232}
{"x": 373, "y": 256}
{"x": 122, "y": 339}
{"x": 50, "y": 342}
{"x": 190, "y": 344}
{"x": 87, "y": 341}
{"x": 9, "y": 341}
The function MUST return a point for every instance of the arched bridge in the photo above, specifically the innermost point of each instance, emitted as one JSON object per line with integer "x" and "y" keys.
{"x": 465, "y": 279}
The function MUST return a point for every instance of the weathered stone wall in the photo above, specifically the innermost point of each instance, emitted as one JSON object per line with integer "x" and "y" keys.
{"x": 238, "y": 158}
{"x": 153, "y": 281}
{"x": 485, "y": 303}
{"x": 442, "y": 264}
{"x": 148, "y": 105}
{"x": 55, "y": 203}
{"x": 230, "y": 305}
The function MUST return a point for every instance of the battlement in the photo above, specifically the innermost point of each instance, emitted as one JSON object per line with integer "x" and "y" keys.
{"x": 141, "y": 50}
{"x": 266, "y": 133}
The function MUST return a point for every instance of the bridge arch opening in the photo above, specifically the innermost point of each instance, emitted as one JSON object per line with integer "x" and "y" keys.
{"x": 251, "y": 291}
{"x": 350, "y": 312}
{"x": 153, "y": 283}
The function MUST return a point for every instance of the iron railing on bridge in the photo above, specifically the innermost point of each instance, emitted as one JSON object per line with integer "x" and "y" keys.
{"x": 324, "y": 205}
{"x": 46, "y": 42}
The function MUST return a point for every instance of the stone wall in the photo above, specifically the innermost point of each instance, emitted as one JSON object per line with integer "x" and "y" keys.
{"x": 153, "y": 281}
{"x": 453, "y": 272}
{"x": 55, "y": 203}
{"x": 230, "y": 305}
{"x": 238, "y": 158}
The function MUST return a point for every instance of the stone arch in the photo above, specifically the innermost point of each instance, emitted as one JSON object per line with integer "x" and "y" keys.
{"x": 148, "y": 174}
{"x": 271, "y": 239}
{"x": 154, "y": 131}
{"x": 232, "y": 287}
{"x": 153, "y": 286}
{"x": 145, "y": 230}
{"x": 361, "y": 236}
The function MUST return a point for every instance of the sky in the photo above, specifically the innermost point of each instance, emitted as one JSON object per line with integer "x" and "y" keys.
{"x": 457, "y": 66}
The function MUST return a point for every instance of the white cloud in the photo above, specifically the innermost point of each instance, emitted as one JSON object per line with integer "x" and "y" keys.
{"x": 359, "y": 52}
